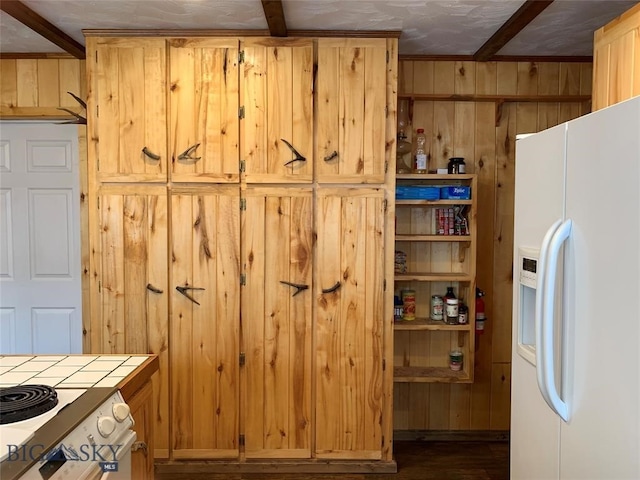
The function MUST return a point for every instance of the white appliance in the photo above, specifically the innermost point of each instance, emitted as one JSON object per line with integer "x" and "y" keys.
{"x": 86, "y": 435}
{"x": 575, "y": 403}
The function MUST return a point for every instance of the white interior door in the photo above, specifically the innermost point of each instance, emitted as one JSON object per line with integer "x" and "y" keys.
{"x": 40, "y": 282}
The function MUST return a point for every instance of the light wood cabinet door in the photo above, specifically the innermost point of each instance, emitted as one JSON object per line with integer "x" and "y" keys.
{"x": 277, "y": 97}
{"x": 141, "y": 405}
{"x": 205, "y": 318}
{"x": 130, "y": 262}
{"x": 276, "y": 322}
{"x": 349, "y": 323}
{"x": 351, "y": 110}
{"x": 204, "y": 122}
{"x": 127, "y": 108}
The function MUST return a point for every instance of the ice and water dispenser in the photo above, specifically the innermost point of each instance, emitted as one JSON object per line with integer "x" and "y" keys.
{"x": 527, "y": 279}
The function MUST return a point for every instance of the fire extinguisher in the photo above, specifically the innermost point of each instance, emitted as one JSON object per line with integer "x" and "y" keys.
{"x": 480, "y": 315}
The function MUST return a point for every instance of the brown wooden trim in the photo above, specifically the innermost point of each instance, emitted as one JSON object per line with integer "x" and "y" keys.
{"x": 171, "y": 468}
{"x": 42, "y": 26}
{"x": 496, "y": 98}
{"x": 275, "y": 17}
{"x": 33, "y": 113}
{"x": 451, "y": 435}
{"x": 346, "y": 33}
{"x": 496, "y": 58}
{"x": 240, "y": 33}
{"x": 173, "y": 33}
{"x": 141, "y": 375}
{"x": 529, "y": 10}
{"x": 35, "y": 56}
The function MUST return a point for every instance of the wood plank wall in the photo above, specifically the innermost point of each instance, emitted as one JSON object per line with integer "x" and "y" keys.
{"x": 485, "y": 137}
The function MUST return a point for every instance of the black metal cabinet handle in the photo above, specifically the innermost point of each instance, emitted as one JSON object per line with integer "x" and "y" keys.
{"x": 298, "y": 286}
{"x": 183, "y": 291}
{"x": 186, "y": 155}
{"x": 153, "y": 289}
{"x": 331, "y": 156}
{"x": 298, "y": 156}
{"x": 150, "y": 154}
{"x": 332, "y": 289}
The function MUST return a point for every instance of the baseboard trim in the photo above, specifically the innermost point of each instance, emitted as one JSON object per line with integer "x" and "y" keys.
{"x": 451, "y": 435}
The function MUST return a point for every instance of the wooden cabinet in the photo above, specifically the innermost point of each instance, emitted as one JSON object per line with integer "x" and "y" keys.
{"x": 277, "y": 259}
{"x": 277, "y": 94}
{"x": 127, "y": 93}
{"x": 438, "y": 255}
{"x": 141, "y": 405}
{"x": 351, "y": 110}
{"x": 267, "y": 301}
{"x": 616, "y": 61}
{"x": 129, "y": 255}
{"x": 205, "y": 310}
{"x": 204, "y": 118}
{"x": 349, "y": 351}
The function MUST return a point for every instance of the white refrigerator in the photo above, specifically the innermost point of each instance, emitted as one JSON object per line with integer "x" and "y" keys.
{"x": 575, "y": 399}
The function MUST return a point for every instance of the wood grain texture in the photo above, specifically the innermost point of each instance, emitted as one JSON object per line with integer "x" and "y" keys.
{"x": 616, "y": 72}
{"x": 348, "y": 342}
{"x": 205, "y": 336}
{"x": 204, "y": 106}
{"x": 350, "y": 109}
{"x": 278, "y": 326}
{"x": 485, "y": 133}
{"x": 130, "y": 89}
{"x": 277, "y": 93}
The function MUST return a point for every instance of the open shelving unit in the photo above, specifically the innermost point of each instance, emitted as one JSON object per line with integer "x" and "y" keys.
{"x": 435, "y": 262}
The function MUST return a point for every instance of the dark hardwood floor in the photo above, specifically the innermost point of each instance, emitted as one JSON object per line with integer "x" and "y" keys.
{"x": 431, "y": 460}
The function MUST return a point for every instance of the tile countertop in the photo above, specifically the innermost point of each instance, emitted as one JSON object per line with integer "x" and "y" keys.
{"x": 71, "y": 371}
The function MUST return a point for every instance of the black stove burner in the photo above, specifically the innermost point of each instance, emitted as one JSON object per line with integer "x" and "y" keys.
{"x": 25, "y": 401}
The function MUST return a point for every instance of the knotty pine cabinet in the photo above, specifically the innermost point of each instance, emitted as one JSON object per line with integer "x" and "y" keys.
{"x": 267, "y": 301}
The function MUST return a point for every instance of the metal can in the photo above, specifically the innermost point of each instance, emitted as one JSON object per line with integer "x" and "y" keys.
{"x": 455, "y": 360}
{"x": 408, "y": 304}
{"x": 437, "y": 308}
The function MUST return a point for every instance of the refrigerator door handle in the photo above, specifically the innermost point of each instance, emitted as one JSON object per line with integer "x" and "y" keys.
{"x": 549, "y": 391}
{"x": 540, "y": 283}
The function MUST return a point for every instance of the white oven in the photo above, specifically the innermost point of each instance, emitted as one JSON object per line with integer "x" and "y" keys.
{"x": 87, "y": 435}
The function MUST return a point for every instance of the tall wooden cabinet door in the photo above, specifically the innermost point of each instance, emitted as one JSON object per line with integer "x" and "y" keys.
{"x": 277, "y": 256}
{"x": 349, "y": 323}
{"x": 127, "y": 108}
{"x": 205, "y": 318}
{"x": 277, "y": 98}
{"x": 350, "y": 110}
{"x": 204, "y": 112}
{"x": 129, "y": 260}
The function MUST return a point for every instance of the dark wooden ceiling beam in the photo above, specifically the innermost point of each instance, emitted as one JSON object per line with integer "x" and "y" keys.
{"x": 42, "y": 27}
{"x": 529, "y": 10}
{"x": 275, "y": 17}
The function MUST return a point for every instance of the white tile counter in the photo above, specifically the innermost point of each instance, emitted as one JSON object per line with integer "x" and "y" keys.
{"x": 68, "y": 371}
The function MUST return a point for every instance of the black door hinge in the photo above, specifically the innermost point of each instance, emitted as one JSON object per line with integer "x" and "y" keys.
{"x": 243, "y": 359}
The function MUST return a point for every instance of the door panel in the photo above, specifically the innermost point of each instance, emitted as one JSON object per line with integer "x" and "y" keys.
{"x": 130, "y": 92}
{"x": 205, "y": 255}
{"x": 350, "y": 105}
{"x": 204, "y": 110}
{"x": 278, "y": 104}
{"x": 278, "y": 246}
{"x": 134, "y": 285}
{"x": 349, "y": 323}
{"x": 40, "y": 284}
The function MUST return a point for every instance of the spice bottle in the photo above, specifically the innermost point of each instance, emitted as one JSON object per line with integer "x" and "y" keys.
{"x": 463, "y": 314}
{"x": 421, "y": 152}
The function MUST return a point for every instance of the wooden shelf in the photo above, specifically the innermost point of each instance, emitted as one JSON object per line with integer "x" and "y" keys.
{"x": 433, "y": 202}
{"x": 432, "y": 277}
{"x": 432, "y": 238}
{"x": 429, "y": 375}
{"x": 433, "y": 176}
{"x": 428, "y": 324}
{"x": 495, "y": 98}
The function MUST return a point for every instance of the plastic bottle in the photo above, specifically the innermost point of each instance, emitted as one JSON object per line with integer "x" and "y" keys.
{"x": 421, "y": 152}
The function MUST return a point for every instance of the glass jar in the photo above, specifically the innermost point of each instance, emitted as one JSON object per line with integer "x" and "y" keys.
{"x": 451, "y": 308}
{"x": 437, "y": 308}
{"x": 456, "y": 165}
